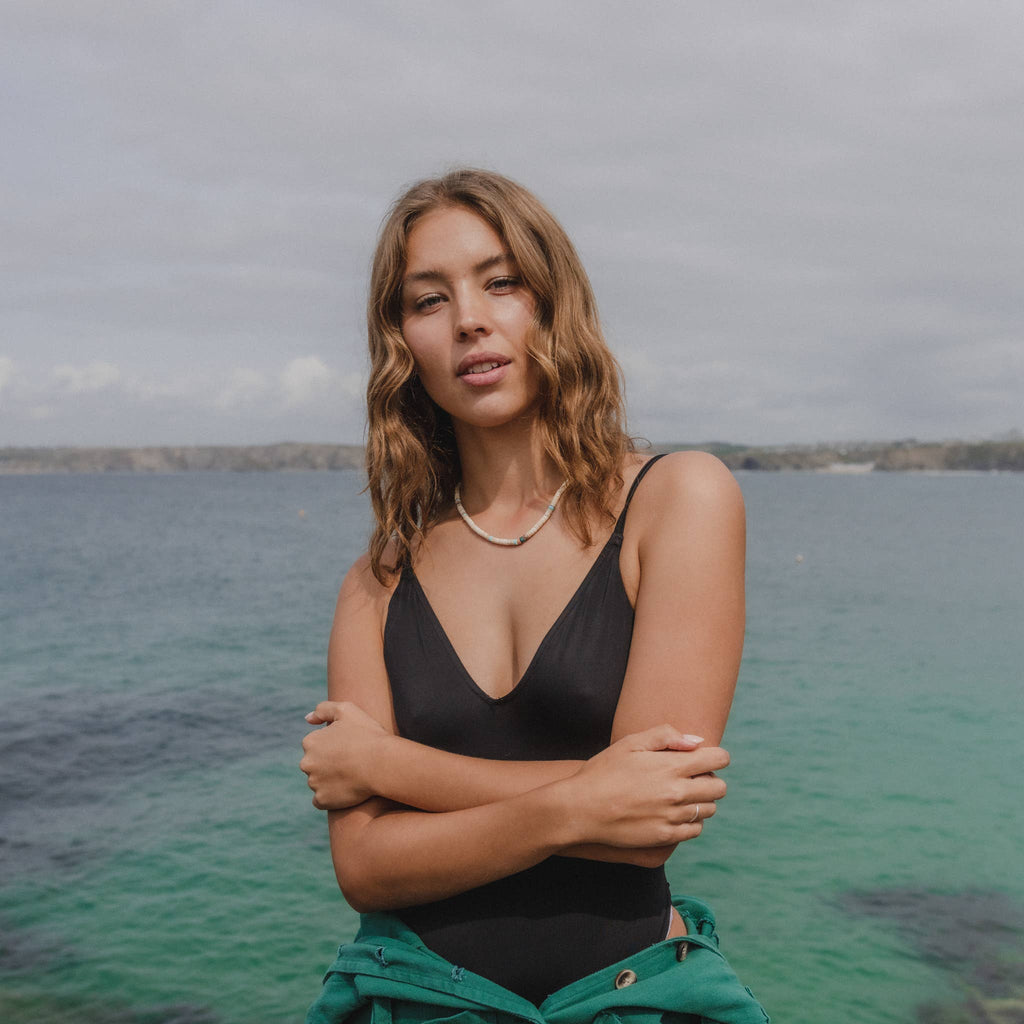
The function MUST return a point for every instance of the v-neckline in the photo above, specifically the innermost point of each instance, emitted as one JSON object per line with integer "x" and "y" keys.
{"x": 614, "y": 544}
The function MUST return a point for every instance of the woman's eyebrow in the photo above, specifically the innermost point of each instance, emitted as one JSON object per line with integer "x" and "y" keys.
{"x": 493, "y": 261}
{"x": 478, "y": 268}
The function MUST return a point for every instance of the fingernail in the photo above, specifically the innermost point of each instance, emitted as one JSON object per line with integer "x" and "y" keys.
{"x": 693, "y": 739}
{"x": 309, "y": 718}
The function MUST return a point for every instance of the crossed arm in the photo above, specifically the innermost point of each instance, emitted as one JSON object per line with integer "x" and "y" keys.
{"x": 409, "y": 824}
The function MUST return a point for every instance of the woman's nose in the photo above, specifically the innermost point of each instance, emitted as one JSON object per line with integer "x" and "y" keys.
{"x": 471, "y": 317}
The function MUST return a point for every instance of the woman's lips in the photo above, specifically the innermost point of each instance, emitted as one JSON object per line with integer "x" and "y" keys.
{"x": 478, "y": 378}
{"x": 482, "y": 369}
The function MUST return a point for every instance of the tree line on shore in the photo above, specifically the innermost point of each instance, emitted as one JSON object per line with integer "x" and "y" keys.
{"x": 897, "y": 456}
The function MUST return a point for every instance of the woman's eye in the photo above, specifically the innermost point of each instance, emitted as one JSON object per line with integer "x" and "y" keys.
{"x": 427, "y": 302}
{"x": 504, "y": 284}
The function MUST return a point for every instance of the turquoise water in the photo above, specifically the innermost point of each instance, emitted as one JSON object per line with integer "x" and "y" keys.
{"x": 162, "y": 636}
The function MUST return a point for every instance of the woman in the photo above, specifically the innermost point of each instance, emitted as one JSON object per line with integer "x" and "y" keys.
{"x": 526, "y": 686}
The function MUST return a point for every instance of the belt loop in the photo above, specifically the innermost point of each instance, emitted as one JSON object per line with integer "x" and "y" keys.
{"x": 380, "y": 1010}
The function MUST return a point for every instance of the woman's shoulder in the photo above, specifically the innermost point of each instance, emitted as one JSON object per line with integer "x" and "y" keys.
{"x": 355, "y": 651}
{"x": 686, "y": 489}
{"x": 685, "y": 477}
{"x": 686, "y": 522}
{"x": 361, "y": 589}
{"x": 359, "y": 617}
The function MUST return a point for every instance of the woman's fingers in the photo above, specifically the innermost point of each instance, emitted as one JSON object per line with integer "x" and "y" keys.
{"x": 664, "y": 737}
{"x": 704, "y": 789}
{"x": 321, "y": 714}
{"x": 640, "y": 792}
{"x": 339, "y": 759}
{"x": 689, "y": 823}
{"x": 325, "y": 711}
{"x": 328, "y": 711}
{"x": 691, "y": 764}
{"x": 691, "y": 814}
{"x": 668, "y": 738}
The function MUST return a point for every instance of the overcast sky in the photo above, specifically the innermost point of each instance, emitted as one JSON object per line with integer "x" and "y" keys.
{"x": 803, "y": 220}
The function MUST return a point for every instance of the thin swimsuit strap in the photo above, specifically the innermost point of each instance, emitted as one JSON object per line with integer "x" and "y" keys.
{"x": 620, "y": 524}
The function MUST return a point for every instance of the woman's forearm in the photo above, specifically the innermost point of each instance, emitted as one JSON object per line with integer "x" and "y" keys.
{"x": 387, "y": 858}
{"x": 435, "y": 780}
{"x": 355, "y": 758}
{"x": 643, "y": 792}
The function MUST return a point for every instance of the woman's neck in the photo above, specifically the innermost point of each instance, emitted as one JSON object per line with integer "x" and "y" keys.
{"x": 505, "y": 469}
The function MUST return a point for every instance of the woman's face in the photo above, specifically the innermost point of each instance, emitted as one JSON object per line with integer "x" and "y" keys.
{"x": 466, "y": 316}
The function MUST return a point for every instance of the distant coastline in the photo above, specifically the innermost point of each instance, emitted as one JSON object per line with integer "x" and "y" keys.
{"x": 177, "y": 459}
{"x": 896, "y": 456}
{"x": 863, "y": 457}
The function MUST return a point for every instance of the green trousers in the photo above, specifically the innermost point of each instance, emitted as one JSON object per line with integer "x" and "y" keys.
{"x": 388, "y": 976}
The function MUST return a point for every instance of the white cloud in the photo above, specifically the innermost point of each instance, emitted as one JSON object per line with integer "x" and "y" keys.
{"x": 304, "y": 398}
{"x": 306, "y": 380}
{"x": 244, "y": 387}
{"x": 88, "y": 379}
{"x": 351, "y": 385}
{"x": 303, "y": 382}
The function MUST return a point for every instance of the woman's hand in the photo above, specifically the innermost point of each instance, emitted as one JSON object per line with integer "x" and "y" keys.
{"x": 649, "y": 789}
{"x": 339, "y": 758}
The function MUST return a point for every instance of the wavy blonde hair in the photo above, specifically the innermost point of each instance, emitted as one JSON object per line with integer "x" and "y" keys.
{"x": 411, "y": 457}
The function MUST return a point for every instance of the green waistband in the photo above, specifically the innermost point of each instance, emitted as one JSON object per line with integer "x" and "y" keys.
{"x": 388, "y": 961}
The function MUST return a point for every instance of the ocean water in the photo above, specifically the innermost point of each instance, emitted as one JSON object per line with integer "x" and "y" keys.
{"x": 161, "y": 638}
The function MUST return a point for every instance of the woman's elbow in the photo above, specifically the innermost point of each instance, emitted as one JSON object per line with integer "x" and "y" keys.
{"x": 363, "y": 889}
{"x": 359, "y": 861}
{"x": 361, "y": 903}
{"x": 362, "y": 897}
{"x": 368, "y": 886}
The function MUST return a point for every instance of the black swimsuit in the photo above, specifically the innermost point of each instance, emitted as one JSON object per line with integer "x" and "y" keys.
{"x": 566, "y": 917}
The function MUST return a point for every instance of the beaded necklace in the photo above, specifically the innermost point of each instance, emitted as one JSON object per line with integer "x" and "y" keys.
{"x": 508, "y": 541}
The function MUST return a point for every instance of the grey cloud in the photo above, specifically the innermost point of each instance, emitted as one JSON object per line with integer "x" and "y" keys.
{"x": 800, "y": 218}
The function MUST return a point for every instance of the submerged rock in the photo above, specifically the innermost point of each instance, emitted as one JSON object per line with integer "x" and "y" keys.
{"x": 976, "y": 935}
